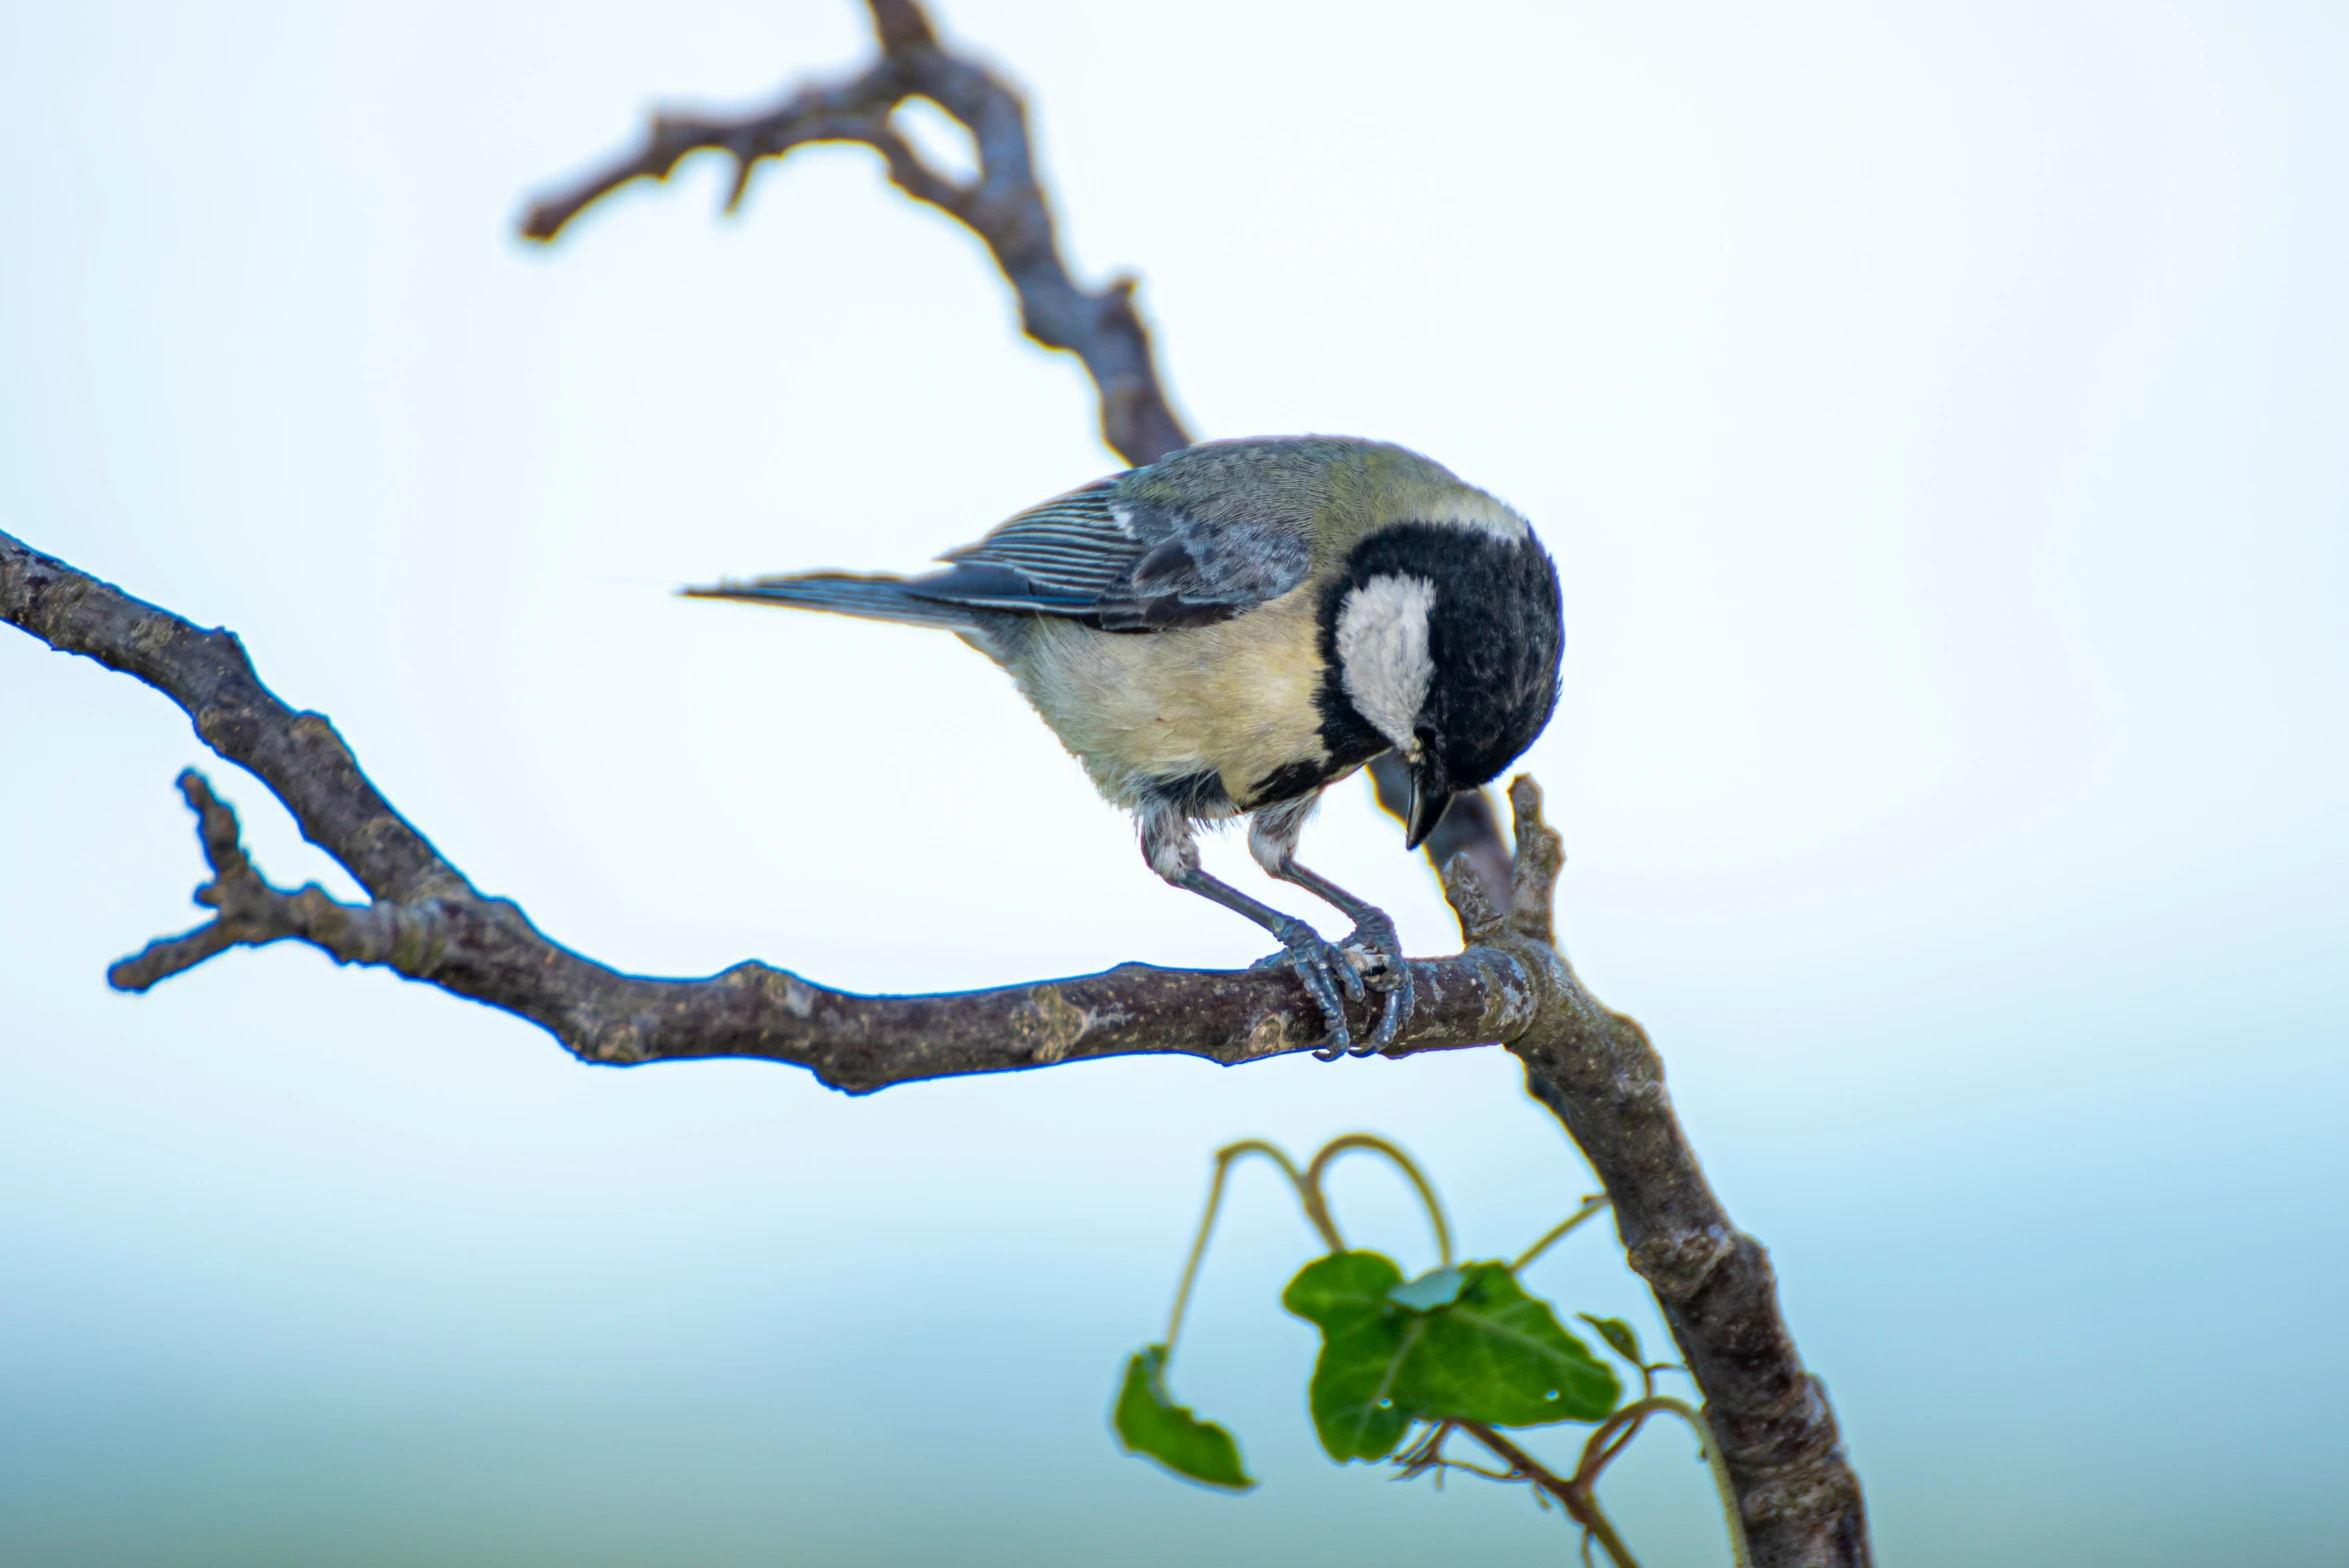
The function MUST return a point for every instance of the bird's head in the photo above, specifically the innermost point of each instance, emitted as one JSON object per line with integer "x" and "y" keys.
{"x": 1446, "y": 639}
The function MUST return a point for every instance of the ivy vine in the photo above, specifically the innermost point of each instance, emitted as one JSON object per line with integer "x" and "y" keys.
{"x": 1406, "y": 1365}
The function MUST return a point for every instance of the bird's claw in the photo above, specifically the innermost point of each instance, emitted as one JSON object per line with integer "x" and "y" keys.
{"x": 1377, "y": 951}
{"x": 1325, "y": 968}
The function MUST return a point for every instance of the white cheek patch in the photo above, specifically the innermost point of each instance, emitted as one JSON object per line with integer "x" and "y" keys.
{"x": 1383, "y": 663}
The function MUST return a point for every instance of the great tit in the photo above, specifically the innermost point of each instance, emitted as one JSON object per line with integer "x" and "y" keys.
{"x": 1228, "y": 630}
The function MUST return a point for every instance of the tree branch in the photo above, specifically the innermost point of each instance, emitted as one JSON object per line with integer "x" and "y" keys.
{"x": 1593, "y": 1068}
{"x": 1598, "y": 1074}
{"x": 427, "y": 922}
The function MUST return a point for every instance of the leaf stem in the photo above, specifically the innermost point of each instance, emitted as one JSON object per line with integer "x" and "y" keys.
{"x": 1224, "y": 1159}
{"x": 1317, "y": 1205}
{"x": 1581, "y": 1505}
{"x": 1308, "y": 1187}
{"x": 1559, "y": 1232}
{"x": 1596, "y": 1455}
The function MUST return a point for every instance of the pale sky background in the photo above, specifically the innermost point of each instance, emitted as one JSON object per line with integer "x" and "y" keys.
{"x": 1937, "y": 413}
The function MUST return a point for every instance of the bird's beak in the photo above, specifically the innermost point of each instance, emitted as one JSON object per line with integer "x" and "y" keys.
{"x": 1427, "y": 809}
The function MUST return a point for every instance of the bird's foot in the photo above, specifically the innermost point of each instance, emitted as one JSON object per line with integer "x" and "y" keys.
{"x": 1373, "y": 948}
{"x": 1325, "y": 968}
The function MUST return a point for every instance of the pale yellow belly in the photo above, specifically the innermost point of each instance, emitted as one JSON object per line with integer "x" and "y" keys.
{"x": 1235, "y": 699}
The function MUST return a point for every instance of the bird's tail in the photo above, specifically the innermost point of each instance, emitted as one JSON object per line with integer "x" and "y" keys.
{"x": 873, "y": 598}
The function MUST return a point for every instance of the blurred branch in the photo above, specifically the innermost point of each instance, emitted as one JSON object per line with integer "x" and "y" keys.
{"x": 1004, "y": 207}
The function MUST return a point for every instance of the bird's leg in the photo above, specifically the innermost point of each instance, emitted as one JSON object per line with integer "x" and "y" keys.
{"x": 1272, "y": 839}
{"x": 1322, "y": 967}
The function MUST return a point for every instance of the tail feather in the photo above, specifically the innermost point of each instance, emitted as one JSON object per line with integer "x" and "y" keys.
{"x": 873, "y": 598}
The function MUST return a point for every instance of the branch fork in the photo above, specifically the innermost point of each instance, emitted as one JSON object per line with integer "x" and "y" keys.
{"x": 407, "y": 937}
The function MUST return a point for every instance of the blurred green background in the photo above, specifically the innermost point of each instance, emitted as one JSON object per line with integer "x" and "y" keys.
{"x": 1936, "y": 413}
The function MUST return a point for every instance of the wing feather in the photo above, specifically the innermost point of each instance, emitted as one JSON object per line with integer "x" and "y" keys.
{"x": 1091, "y": 556}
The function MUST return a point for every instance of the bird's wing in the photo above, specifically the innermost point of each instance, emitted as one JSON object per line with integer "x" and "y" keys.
{"x": 1136, "y": 566}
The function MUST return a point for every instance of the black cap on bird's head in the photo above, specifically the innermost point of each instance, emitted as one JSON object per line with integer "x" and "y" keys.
{"x": 1445, "y": 641}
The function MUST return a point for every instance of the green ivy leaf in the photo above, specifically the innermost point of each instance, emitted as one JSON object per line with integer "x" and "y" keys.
{"x": 1365, "y": 1339}
{"x": 1341, "y": 1285}
{"x": 1149, "y": 1422}
{"x": 1618, "y": 1335}
{"x": 1500, "y": 1356}
{"x": 1481, "y": 1349}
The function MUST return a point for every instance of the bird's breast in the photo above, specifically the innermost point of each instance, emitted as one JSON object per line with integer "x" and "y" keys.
{"x": 1238, "y": 700}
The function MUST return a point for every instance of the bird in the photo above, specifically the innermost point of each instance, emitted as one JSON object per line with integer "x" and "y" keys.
{"x": 1228, "y": 630}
